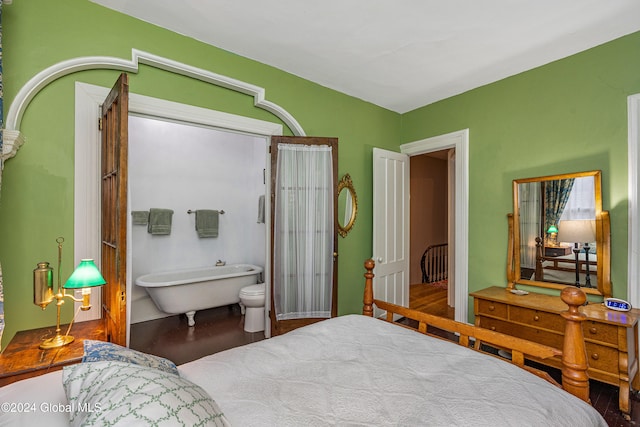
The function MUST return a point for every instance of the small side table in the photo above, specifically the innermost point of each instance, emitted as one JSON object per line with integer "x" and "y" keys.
{"x": 23, "y": 357}
{"x": 557, "y": 250}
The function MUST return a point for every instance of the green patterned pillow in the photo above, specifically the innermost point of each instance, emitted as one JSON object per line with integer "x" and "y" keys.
{"x": 97, "y": 351}
{"x": 113, "y": 393}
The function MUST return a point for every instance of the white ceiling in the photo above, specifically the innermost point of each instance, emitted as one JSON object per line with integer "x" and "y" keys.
{"x": 398, "y": 54}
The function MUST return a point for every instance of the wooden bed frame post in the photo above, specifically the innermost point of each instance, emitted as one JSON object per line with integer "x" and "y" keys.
{"x": 575, "y": 378}
{"x": 367, "y": 308}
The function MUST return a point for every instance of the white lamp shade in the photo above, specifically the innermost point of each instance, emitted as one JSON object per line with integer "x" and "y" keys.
{"x": 577, "y": 231}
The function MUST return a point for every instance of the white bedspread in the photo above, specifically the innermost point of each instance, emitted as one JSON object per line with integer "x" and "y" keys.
{"x": 358, "y": 371}
{"x": 348, "y": 371}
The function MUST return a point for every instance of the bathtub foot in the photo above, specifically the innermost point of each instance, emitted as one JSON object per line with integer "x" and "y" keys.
{"x": 190, "y": 315}
{"x": 242, "y": 308}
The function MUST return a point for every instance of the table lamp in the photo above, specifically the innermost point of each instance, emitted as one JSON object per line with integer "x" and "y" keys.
{"x": 578, "y": 231}
{"x": 553, "y": 235}
{"x": 84, "y": 277}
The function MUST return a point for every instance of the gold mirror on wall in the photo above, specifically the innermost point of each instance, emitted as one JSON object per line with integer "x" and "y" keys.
{"x": 347, "y": 205}
{"x": 559, "y": 235}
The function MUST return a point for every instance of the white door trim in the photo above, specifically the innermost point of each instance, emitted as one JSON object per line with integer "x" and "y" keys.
{"x": 88, "y": 99}
{"x": 13, "y": 137}
{"x": 460, "y": 142}
{"x": 633, "y": 253}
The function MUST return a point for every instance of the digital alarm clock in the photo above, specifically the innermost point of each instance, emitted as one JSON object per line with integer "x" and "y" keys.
{"x": 617, "y": 304}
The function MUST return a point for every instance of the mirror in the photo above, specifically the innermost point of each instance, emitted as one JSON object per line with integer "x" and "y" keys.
{"x": 559, "y": 233}
{"x": 347, "y": 205}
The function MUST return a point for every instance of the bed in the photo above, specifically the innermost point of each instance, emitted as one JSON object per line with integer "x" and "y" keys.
{"x": 351, "y": 370}
{"x": 562, "y": 269}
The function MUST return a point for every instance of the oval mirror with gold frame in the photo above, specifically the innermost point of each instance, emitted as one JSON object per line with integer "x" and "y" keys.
{"x": 559, "y": 235}
{"x": 347, "y": 205}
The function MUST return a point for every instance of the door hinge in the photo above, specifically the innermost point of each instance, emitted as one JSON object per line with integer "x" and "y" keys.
{"x": 100, "y": 123}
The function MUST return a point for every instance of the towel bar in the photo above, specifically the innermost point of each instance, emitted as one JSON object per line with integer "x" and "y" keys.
{"x": 221, "y": 212}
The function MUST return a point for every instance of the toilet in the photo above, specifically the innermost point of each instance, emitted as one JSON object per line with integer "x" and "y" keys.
{"x": 252, "y": 306}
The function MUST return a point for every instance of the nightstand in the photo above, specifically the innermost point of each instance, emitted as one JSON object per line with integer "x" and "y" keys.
{"x": 557, "y": 250}
{"x": 24, "y": 359}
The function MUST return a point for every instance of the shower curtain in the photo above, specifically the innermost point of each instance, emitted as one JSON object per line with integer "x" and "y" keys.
{"x": 303, "y": 231}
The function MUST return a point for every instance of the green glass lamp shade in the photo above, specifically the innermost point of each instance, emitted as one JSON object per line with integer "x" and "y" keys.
{"x": 86, "y": 275}
{"x": 552, "y": 229}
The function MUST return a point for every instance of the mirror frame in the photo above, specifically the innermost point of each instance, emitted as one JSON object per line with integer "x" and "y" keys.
{"x": 346, "y": 182}
{"x": 603, "y": 238}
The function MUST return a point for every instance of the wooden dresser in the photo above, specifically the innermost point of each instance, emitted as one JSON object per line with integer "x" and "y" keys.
{"x": 611, "y": 337}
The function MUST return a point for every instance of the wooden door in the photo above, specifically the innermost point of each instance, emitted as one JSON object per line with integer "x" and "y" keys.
{"x": 391, "y": 227}
{"x": 114, "y": 126}
{"x": 282, "y": 326}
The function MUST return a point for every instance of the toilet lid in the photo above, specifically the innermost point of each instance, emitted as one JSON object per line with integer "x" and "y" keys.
{"x": 253, "y": 290}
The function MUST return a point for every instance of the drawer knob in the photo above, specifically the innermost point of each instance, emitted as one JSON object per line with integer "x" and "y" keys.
{"x": 595, "y": 356}
{"x": 493, "y": 328}
{"x": 536, "y": 318}
{"x": 593, "y": 330}
{"x": 492, "y": 307}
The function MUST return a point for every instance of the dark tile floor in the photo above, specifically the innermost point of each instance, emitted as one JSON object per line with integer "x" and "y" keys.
{"x": 221, "y": 328}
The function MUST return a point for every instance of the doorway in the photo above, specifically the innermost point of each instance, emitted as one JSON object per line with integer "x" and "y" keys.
{"x": 458, "y": 211}
{"x": 87, "y": 164}
{"x": 185, "y": 168}
{"x": 431, "y": 285}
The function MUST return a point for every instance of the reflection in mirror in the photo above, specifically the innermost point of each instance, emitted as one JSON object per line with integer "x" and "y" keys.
{"x": 347, "y": 205}
{"x": 557, "y": 232}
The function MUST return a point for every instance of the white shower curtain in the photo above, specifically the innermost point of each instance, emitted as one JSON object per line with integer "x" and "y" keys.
{"x": 303, "y": 232}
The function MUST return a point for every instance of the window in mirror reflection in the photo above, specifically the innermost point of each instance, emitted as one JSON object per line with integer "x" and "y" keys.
{"x": 543, "y": 207}
{"x": 581, "y": 203}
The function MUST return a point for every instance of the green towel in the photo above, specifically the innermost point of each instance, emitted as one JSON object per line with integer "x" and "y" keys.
{"x": 207, "y": 223}
{"x": 159, "y": 221}
{"x": 140, "y": 217}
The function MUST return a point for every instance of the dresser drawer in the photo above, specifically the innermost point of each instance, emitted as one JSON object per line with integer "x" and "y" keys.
{"x": 537, "y": 319}
{"x": 601, "y": 332}
{"x": 531, "y": 334}
{"x": 491, "y": 308}
{"x": 602, "y": 358}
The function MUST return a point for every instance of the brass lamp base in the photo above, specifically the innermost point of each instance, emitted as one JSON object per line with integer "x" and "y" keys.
{"x": 57, "y": 341}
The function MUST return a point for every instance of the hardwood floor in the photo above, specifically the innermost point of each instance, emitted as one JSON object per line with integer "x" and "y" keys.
{"x": 430, "y": 299}
{"x": 216, "y": 329}
{"x": 221, "y": 328}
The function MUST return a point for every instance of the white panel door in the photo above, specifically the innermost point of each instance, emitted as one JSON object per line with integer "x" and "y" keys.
{"x": 391, "y": 227}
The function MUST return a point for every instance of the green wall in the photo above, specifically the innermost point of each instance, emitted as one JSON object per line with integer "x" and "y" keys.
{"x": 567, "y": 116}
{"x": 37, "y": 185}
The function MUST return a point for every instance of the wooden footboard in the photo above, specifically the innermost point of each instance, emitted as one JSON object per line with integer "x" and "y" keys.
{"x": 575, "y": 379}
